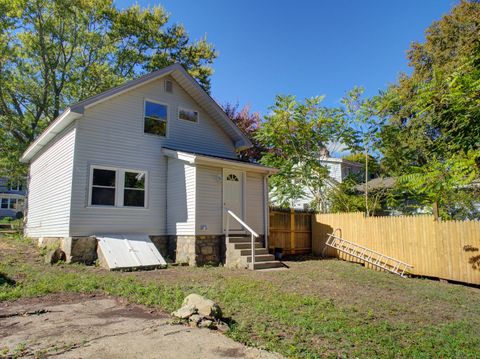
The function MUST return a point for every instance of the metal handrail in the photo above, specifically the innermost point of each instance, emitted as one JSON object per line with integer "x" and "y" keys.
{"x": 253, "y": 234}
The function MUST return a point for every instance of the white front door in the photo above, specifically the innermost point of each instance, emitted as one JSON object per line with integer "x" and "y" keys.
{"x": 233, "y": 197}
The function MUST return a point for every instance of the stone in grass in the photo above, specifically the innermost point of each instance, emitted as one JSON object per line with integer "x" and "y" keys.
{"x": 195, "y": 318}
{"x": 55, "y": 256}
{"x": 185, "y": 312}
{"x": 206, "y": 323}
{"x": 222, "y": 327}
{"x": 205, "y": 307}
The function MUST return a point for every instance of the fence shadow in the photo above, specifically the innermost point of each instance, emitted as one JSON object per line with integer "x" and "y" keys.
{"x": 320, "y": 232}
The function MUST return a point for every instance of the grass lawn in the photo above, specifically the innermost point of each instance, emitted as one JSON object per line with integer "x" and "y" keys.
{"x": 317, "y": 308}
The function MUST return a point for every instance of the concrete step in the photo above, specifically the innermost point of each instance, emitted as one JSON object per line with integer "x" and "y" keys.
{"x": 247, "y": 245}
{"x": 258, "y": 251}
{"x": 262, "y": 258}
{"x": 268, "y": 265}
{"x": 242, "y": 240}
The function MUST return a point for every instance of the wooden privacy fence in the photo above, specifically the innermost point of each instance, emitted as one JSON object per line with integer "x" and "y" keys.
{"x": 448, "y": 250}
{"x": 290, "y": 230}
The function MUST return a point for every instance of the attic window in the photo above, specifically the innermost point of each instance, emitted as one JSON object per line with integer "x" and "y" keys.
{"x": 168, "y": 86}
{"x": 187, "y": 115}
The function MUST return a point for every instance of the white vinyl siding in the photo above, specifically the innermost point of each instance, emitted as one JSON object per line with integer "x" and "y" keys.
{"x": 180, "y": 198}
{"x": 111, "y": 133}
{"x": 210, "y": 197}
{"x": 254, "y": 202}
{"x": 209, "y": 200}
{"x": 50, "y": 188}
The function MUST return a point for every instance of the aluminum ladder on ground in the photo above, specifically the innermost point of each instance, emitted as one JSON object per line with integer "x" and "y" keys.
{"x": 365, "y": 254}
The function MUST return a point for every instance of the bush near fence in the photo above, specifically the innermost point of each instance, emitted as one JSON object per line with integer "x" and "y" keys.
{"x": 447, "y": 249}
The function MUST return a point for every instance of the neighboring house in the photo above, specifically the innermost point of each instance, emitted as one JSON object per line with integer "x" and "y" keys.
{"x": 338, "y": 170}
{"x": 12, "y": 198}
{"x": 155, "y": 156}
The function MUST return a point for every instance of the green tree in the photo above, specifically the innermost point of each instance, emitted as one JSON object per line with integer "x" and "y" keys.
{"x": 445, "y": 186}
{"x": 432, "y": 116}
{"x": 362, "y": 116}
{"x": 293, "y": 135}
{"x": 53, "y": 53}
{"x": 435, "y": 111}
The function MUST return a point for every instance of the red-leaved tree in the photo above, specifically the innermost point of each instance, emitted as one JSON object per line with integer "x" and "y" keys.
{"x": 249, "y": 123}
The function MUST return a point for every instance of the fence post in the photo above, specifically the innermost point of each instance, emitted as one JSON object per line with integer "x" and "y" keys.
{"x": 292, "y": 230}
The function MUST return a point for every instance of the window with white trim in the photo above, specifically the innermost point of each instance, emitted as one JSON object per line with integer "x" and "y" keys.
{"x": 134, "y": 189}
{"x": 16, "y": 187}
{"x": 9, "y": 203}
{"x": 103, "y": 187}
{"x": 187, "y": 115}
{"x": 116, "y": 187}
{"x": 4, "y": 203}
{"x": 155, "y": 118}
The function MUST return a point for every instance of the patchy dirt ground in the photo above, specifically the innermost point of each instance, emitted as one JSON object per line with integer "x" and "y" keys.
{"x": 92, "y": 326}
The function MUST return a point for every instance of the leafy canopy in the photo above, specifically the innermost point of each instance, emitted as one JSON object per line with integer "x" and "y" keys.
{"x": 53, "y": 53}
{"x": 294, "y": 134}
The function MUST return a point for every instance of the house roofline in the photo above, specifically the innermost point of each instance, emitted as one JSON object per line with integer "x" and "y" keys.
{"x": 77, "y": 110}
{"x": 196, "y": 158}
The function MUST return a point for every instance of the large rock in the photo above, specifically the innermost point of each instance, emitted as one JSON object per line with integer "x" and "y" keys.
{"x": 204, "y": 306}
{"x": 55, "y": 256}
{"x": 185, "y": 312}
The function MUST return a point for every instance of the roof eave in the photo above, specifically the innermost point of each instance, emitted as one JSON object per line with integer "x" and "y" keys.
{"x": 57, "y": 126}
{"x": 193, "y": 158}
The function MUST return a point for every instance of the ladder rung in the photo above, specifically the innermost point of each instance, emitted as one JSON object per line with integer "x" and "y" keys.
{"x": 367, "y": 255}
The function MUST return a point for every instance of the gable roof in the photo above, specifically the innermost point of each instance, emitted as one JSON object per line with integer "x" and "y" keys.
{"x": 179, "y": 74}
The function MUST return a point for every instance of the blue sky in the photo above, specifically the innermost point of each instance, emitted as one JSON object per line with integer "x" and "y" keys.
{"x": 303, "y": 48}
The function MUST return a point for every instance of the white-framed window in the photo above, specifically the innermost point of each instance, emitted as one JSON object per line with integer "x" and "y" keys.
{"x": 188, "y": 115}
{"x": 4, "y": 203}
{"x": 134, "y": 189}
{"x": 16, "y": 186}
{"x": 117, "y": 187}
{"x": 155, "y": 118}
{"x": 9, "y": 203}
{"x": 104, "y": 184}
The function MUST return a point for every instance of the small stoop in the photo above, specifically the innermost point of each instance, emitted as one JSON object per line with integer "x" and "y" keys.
{"x": 239, "y": 254}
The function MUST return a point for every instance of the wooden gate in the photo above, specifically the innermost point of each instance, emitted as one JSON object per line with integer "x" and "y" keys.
{"x": 290, "y": 230}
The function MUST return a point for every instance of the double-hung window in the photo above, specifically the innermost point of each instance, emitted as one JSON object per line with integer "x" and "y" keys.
{"x": 4, "y": 203}
{"x": 155, "y": 118}
{"x": 104, "y": 183}
{"x": 134, "y": 189}
{"x": 117, "y": 187}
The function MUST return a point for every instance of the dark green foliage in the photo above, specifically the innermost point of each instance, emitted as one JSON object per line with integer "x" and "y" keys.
{"x": 53, "y": 53}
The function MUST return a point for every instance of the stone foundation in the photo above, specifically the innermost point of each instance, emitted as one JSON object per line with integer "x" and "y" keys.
{"x": 193, "y": 250}
{"x": 77, "y": 249}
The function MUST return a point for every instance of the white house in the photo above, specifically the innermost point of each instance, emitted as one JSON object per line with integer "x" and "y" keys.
{"x": 155, "y": 156}
{"x": 338, "y": 170}
{"x": 12, "y": 198}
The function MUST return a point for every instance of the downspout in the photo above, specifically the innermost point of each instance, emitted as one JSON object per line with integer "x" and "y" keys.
{"x": 266, "y": 212}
